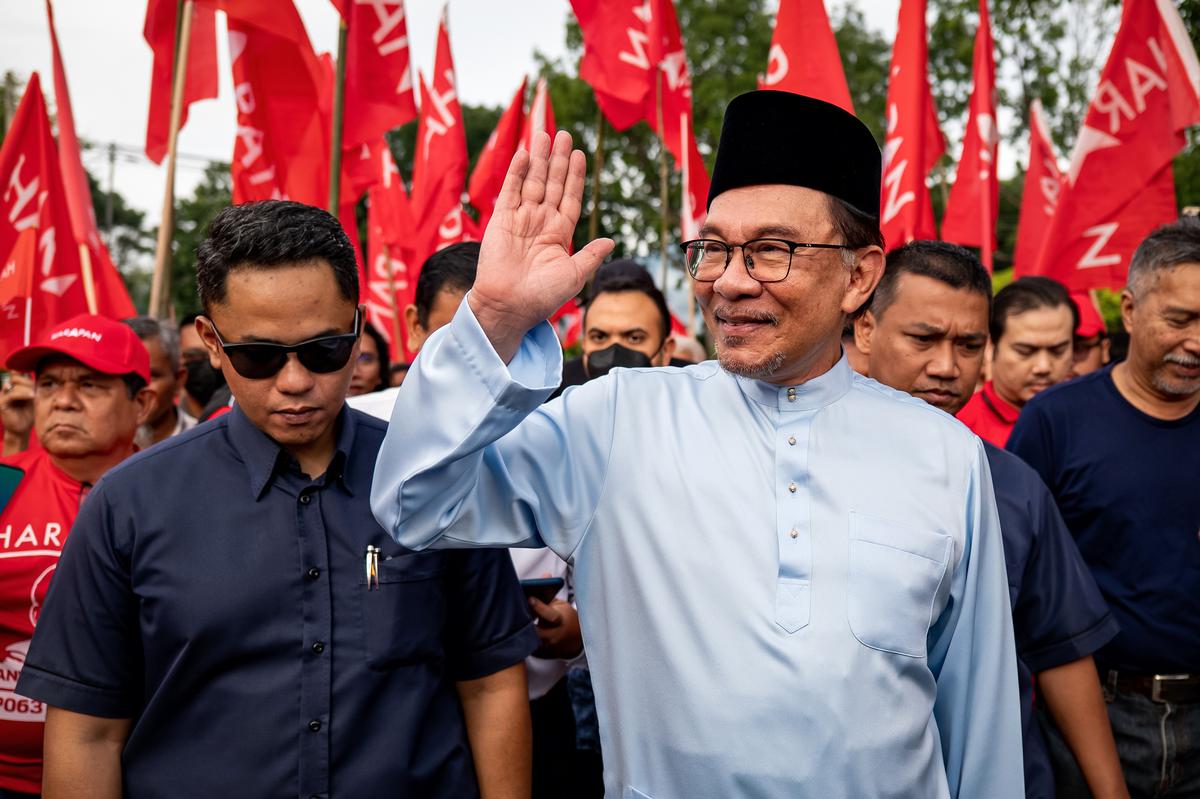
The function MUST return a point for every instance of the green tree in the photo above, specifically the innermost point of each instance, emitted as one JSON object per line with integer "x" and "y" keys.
{"x": 192, "y": 217}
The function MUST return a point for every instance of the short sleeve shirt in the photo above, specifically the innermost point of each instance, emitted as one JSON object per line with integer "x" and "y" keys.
{"x": 1126, "y": 485}
{"x": 33, "y": 528}
{"x": 220, "y": 598}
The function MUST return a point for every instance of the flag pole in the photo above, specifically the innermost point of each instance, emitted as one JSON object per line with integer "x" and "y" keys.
{"x": 89, "y": 280}
{"x": 594, "y": 218}
{"x": 160, "y": 285}
{"x": 339, "y": 113}
{"x": 664, "y": 196}
{"x": 391, "y": 283}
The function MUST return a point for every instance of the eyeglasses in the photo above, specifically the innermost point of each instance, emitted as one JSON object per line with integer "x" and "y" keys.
{"x": 767, "y": 260}
{"x": 257, "y": 360}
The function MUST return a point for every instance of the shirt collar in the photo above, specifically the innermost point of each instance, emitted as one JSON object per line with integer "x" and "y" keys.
{"x": 815, "y": 393}
{"x": 998, "y": 405}
{"x": 263, "y": 457}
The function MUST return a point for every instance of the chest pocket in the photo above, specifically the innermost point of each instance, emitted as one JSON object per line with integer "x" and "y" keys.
{"x": 404, "y": 615}
{"x": 893, "y": 582}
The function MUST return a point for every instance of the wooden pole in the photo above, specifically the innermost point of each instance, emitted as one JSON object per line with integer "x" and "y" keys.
{"x": 160, "y": 285}
{"x": 339, "y": 113}
{"x": 391, "y": 283}
{"x": 597, "y": 168}
{"x": 664, "y": 196}
{"x": 89, "y": 280}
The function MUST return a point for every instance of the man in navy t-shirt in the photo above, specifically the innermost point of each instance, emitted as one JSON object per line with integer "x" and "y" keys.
{"x": 924, "y": 332}
{"x": 1120, "y": 450}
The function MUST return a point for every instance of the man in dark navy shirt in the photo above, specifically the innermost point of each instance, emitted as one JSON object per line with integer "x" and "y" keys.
{"x": 924, "y": 332}
{"x": 229, "y": 618}
{"x": 1120, "y": 450}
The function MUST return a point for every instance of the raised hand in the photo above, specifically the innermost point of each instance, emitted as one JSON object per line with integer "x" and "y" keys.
{"x": 526, "y": 271}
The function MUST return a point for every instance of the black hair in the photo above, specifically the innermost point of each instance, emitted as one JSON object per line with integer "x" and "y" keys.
{"x": 381, "y": 347}
{"x": 856, "y": 228}
{"x": 133, "y": 384}
{"x": 451, "y": 269}
{"x": 955, "y": 266}
{"x": 626, "y": 275}
{"x": 399, "y": 367}
{"x": 272, "y": 233}
{"x": 188, "y": 321}
{"x": 1027, "y": 294}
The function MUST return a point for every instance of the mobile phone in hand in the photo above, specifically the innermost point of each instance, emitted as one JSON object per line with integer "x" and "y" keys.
{"x": 543, "y": 588}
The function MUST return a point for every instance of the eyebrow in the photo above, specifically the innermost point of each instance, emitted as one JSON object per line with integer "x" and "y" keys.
{"x": 766, "y": 231}
{"x": 1033, "y": 346}
{"x": 252, "y": 339}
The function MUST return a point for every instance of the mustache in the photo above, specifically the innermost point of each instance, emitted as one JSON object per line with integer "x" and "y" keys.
{"x": 1182, "y": 360}
{"x": 729, "y": 313}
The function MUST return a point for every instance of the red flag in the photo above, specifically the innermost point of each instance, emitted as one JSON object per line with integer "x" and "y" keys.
{"x": 109, "y": 296}
{"x": 622, "y": 48}
{"x": 970, "y": 217}
{"x": 379, "y": 88}
{"x": 914, "y": 143}
{"x": 340, "y": 5}
{"x": 440, "y": 160}
{"x": 540, "y": 118}
{"x": 804, "y": 55}
{"x": 16, "y": 292}
{"x": 281, "y": 150}
{"x": 391, "y": 277}
{"x": 492, "y": 164}
{"x": 1043, "y": 184}
{"x": 1120, "y": 184}
{"x": 201, "y": 83}
{"x": 32, "y": 198}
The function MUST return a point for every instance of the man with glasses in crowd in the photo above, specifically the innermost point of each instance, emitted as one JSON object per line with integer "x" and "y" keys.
{"x": 790, "y": 578}
{"x": 279, "y": 643}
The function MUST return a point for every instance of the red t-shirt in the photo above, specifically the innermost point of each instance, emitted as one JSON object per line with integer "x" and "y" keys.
{"x": 33, "y": 528}
{"x": 989, "y": 416}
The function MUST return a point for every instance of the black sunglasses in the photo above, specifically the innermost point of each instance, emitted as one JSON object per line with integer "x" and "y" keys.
{"x": 259, "y": 360}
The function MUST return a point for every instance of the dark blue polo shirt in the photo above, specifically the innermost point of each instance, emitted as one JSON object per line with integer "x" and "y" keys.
{"x": 1127, "y": 486}
{"x": 218, "y": 597}
{"x": 1058, "y": 613}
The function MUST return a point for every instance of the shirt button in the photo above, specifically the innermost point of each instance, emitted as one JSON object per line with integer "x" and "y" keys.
{"x": 315, "y": 725}
{"x": 313, "y": 573}
{"x": 792, "y": 440}
{"x": 318, "y": 647}
{"x": 305, "y": 499}
{"x": 794, "y": 533}
{"x": 791, "y": 395}
{"x": 792, "y": 487}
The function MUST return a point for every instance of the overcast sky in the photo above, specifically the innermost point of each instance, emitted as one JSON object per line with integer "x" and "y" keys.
{"x": 108, "y": 68}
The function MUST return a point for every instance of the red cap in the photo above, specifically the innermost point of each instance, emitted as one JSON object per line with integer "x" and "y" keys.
{"x": 1091, "y": 323}
{"x": 96, "y": 341}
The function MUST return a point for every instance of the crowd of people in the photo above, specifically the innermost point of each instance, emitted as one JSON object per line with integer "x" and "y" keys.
{"x": 236, "y": 554}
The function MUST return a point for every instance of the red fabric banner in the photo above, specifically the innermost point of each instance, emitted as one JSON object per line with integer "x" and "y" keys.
{"x": 32, "y": 198}
{"x": 109, "y": 295}
{"x": 914, "y": 142}
{"x": 281, "y": 150}
{"x": 971, "y": 210}
{"x": 159, "y": 32}
{"x": 622, "y": 50}
{"x": 1119, "y": 185}
{"x": 804, "y": 55}
{"x": 492, "y": 164}
{"x": 379, "y": 87}
{"x": 440, "y": 161}
{"x": 540, "y": 118}
{"x": 1043, "y": 185}
{"x": 392, "y": 272}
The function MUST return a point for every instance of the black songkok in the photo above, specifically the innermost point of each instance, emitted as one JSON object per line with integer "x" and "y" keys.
{"x": 781, "y": 137}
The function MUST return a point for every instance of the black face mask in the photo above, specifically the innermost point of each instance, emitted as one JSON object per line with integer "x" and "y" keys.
{"x": 202, "y": 380}
{"x": 600, "y": 362}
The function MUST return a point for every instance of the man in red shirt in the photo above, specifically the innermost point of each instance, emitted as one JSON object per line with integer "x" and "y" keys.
{"x": 1032, "y": 327}
{"x": 90, "y": 395}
